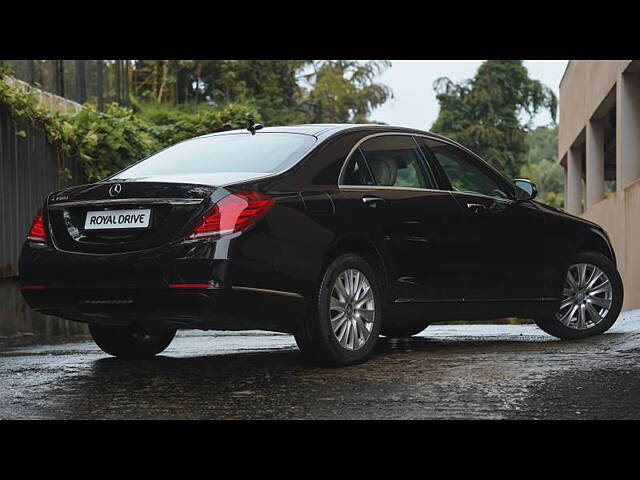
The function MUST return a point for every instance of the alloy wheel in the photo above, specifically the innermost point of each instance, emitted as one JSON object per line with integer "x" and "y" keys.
{"x": 587, "y": 297}
{"x": 352, "y": 309}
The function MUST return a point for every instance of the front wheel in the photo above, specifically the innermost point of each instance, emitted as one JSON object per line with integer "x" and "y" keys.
{"x": 343, "y": 327}
{"x": 131, "y": 342}
{"x": 591, "y": 300}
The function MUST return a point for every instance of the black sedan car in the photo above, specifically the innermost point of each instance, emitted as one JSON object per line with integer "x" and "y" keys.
{"x": 334, "y": 233}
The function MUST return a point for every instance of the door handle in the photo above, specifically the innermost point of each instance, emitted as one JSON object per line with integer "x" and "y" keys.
{"x": 372, "y": 201}
{"x": 476, "y": 207}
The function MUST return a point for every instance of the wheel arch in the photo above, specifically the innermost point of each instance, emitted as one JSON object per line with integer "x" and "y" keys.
{"x": 595, "y": 241}
{"x": 364, "y": 248}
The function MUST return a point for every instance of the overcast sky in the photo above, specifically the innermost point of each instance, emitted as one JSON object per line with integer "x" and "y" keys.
{"x": 414, "y": 103}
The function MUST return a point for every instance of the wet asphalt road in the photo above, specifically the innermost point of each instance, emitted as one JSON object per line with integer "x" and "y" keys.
{"x": 447, "y": 372}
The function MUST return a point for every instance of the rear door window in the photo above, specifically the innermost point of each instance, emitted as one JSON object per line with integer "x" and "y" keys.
{"x": 357, "y": 171}
{"x": 395, "y": 161}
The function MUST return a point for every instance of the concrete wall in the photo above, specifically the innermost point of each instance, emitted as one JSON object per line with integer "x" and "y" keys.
{"x": 619, "y": 215}
{"x": 584, "y": 86}
{"x": 587, "y": 88}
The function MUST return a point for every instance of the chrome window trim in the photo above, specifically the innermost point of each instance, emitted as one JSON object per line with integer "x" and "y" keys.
{"x": 267, "y": 290}
{"x": 453, "y": 192}
{"x": 128, "y": 201}
{"x": 482, "y": 195}
{"x": 385, "y": 187}
{"x": 428, "y": 171}
{"x": 474, "y": 300}
{"x": 357, "y": 145}
{"x": 429, "y": 137}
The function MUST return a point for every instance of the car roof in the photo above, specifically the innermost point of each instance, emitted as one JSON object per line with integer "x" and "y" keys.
{"x": 323, "y": 131}
{"x": 327, "y": 129}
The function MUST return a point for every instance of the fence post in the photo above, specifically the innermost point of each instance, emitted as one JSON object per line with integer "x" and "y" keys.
{"x": 117, "y": 78}
{"x": 32, "y": 72}
{"x": 81, "y": 82}
{"x": 100, "y": 92}
{"x": 126, "y": 83}
{"x": 60, "y": 77}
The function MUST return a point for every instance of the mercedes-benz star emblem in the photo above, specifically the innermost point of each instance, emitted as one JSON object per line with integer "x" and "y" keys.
{"x": 115, "y": 190}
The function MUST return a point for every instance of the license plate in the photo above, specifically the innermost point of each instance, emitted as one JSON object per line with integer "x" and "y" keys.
{"x": 109, "y": 219}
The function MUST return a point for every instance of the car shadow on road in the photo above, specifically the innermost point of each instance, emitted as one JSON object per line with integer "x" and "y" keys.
{"x": 290, "y": 358}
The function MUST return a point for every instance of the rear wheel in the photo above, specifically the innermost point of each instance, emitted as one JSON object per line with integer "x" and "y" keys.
{"x": 131, "y": 342}
{"x": 344, "y": 326}
{"x": 591, "y": 301}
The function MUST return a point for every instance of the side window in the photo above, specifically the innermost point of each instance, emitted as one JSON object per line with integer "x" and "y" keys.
{"x": 463, "y": 173}
{"x": 357, "y": 172}
{"x": 395, "y": 161}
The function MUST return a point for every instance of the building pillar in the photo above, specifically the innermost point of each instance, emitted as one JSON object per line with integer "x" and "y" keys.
{"x": 595, "y": 162}
{"x": 573, "y": 194}
{"x": 627, "y": 128}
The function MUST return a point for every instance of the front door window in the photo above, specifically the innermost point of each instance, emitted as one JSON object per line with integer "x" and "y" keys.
{"x": 463, "y": 173}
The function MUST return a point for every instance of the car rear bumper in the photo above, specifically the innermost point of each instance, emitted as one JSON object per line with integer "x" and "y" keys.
{"x": 219, "y": 309}
{"x": 182, "y": 262}
{"x": 186, "y": 285}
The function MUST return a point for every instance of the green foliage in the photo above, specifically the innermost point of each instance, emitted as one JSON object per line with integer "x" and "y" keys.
{"x": 23, "y": 107}
{"x": 542, "y": 144}
{"x": 484, "y": 113}
{"x": 344, "y": 91}
{"x": 102, "y": 142}
{"x": 542, "y": 167}
{"x": 174, "y": 100}
{"x": 105, "y": 143}
{"x": 22, "y": 104}
{"x": 549, "y": 178}
{"x": 173, "y": 125}
{"x": 283, "y": 91}
{"x": 215, "y": 81}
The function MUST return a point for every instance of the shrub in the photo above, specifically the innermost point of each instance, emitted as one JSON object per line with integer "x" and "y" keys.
{"x": 106, "y": 142}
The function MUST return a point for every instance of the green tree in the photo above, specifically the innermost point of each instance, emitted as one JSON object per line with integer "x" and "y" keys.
{"x": 542, "y": 167}
{"x": 344, "y": 91}
{"x": 542, "y": 143}
{"x": 484, "y": 113}
{"x": 173, "y": 100}
{"x": 271, "y": 86}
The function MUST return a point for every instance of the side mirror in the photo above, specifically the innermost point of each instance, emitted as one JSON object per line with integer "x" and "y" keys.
{"x": 525, "y": 189}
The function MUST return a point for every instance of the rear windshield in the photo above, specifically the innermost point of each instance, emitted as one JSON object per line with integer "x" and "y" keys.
{"x": 260, "y": 153}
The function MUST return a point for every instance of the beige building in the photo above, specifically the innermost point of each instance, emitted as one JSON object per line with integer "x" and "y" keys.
{"x": 599, "y": 146}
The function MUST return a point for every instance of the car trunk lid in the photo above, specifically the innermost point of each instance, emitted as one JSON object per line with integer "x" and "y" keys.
{"x": 166, "y": 208}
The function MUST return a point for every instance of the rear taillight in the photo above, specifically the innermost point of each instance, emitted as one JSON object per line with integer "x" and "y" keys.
{"x": 32, "y": 286}
{"x": 37, "y": 232}
{"x": 233, "y": 213}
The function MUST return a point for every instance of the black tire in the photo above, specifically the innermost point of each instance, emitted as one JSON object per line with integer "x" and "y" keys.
{"x": 402, "y": 331}
{"x": 315, "y": 336}
{"x": 131, "y": 342}
{"x": 554, "y": 327}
